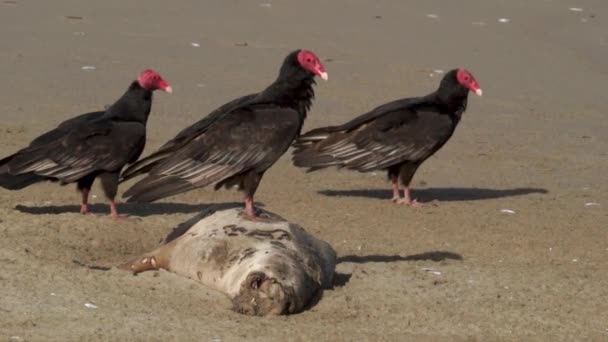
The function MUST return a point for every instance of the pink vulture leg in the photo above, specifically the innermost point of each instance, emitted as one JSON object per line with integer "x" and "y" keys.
{"x": 396, "y": 196}
{"x": 249, "y": 210}
{"x": 84, "y": 208}
{"x": 114, "y": 211}
{"x": 407, "y": 199}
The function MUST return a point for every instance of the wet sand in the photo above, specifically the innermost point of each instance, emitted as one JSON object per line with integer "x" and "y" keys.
{"x": 534, "y": 144}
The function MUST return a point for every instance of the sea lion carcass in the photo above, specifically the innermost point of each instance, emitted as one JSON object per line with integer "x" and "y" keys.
{"x": 267, "y": 266}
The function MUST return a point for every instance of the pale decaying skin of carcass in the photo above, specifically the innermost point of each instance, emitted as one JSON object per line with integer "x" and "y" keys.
{"x": 267, "y": 266}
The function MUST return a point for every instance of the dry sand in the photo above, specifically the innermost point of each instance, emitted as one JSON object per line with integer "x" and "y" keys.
{"x": 535, "y": 143}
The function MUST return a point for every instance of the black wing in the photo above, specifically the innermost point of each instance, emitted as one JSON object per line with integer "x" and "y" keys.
{"x": 95, "y": 145}
{"x": 385, "y": 109}
{"x": 182, "y": 138}
{"x": 406, "y": 134}
{"x": 251, "y": 138}
{"x": 65, "y": 127}
{"x": 20, "y": 181}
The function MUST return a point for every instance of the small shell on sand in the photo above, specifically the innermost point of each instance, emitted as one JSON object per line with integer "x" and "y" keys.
{"x": 430, "y": 270}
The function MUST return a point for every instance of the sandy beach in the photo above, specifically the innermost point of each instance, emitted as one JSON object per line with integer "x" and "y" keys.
{"x": 515, "y": 248}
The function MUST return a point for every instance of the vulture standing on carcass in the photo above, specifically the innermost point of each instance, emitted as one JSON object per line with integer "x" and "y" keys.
{"x": 236, "y": 143}
{"x": 91, "y": 145}
{"x": 396, "y": 137}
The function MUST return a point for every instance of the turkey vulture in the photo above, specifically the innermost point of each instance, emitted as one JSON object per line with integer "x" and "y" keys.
{"x": 91, "y": 145}
{"x": 397, "y": 136}
{"x": 236, "y": 143}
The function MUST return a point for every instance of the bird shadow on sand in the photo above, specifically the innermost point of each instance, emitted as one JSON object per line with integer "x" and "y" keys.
{"x": 132, "y": 209}
{"x": 341, "y": 279}
{"x": 439, "y": 194}
{"x": 428, "y": 256}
